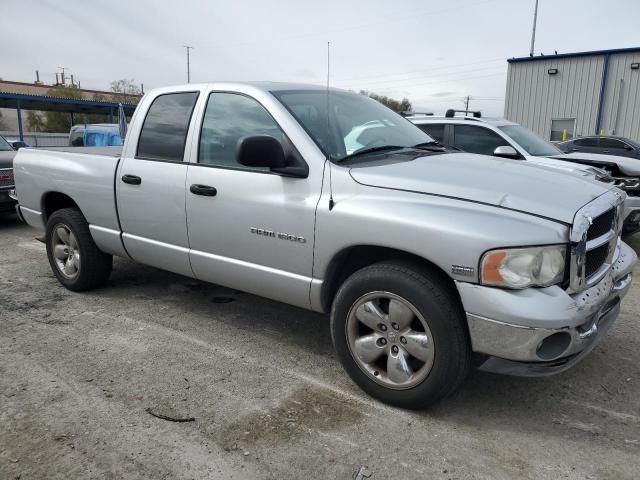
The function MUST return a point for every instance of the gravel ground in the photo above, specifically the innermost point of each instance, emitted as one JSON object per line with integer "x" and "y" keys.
{"x": 267, "y": 395}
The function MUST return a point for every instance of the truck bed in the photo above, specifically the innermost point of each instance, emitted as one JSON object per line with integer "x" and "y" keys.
{"x": 83, "y": 174}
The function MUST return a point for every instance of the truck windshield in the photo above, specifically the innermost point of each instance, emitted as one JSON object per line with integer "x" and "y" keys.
{"x": 4, "y": 145}
{"x": 356, "y": 122}
{"x": 532, "y": 143}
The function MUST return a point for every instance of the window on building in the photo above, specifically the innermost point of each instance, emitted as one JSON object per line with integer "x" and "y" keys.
{"x": 562, "y": 129}
{"x": 164, "y": 131}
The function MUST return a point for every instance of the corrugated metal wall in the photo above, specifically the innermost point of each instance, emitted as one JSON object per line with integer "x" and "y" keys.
{"x": 534, "y": 97}
{"x": 621, "y": 109}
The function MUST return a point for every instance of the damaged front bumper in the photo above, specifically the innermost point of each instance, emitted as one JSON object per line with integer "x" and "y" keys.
{"x": 543, "y": 331}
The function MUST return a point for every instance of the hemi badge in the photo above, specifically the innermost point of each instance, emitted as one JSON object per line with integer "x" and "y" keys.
{"x": 462, "y": 270}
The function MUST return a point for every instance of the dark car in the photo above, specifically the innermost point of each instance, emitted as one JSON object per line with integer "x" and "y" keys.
{"x": 6, "y": 175}
{"x": 619, "y": 146}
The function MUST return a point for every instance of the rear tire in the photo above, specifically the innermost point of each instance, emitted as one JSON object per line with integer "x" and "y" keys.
{"x": 401, "y": 335}
{"x": 75, "y": 259}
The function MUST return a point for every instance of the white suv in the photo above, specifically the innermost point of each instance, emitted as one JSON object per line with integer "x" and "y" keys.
{"x": 502, "y": 138}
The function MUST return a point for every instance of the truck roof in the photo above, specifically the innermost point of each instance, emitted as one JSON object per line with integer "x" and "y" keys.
{"x": 265, "y": 86}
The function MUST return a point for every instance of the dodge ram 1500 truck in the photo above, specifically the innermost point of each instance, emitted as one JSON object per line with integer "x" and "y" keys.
{"x": 429, "y": 261}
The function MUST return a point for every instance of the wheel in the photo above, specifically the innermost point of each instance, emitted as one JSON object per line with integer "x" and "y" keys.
{"x": 400, "y": 334}
{"x": 74, "y": 257}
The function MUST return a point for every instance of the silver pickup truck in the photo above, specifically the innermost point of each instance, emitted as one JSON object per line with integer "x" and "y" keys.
{"x": 429, "y": 261}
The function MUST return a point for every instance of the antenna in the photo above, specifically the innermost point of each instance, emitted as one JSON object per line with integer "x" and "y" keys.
{"x": 331, "y": 202}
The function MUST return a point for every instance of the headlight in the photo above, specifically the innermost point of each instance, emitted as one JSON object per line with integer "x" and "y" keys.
{"x": 524, "y": 267}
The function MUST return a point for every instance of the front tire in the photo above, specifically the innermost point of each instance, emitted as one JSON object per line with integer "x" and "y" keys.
{"x": 400, "y": 334}
{"x": 75, "y": 259}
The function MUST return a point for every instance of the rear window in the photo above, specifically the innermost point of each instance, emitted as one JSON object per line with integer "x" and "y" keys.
{"x": 164, "y": 131}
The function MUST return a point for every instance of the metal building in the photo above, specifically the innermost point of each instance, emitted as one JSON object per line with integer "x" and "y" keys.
{"x": 573, "y": 94}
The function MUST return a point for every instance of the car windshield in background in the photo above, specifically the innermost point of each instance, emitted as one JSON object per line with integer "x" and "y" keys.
{"x": 356, "y": 123}
{"x": 532, "y": 143}
{"x": 4, "y": 145}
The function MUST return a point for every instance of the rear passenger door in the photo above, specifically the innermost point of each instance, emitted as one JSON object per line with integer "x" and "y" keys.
{"x": 473, "y": 139}
{"x": 151, "y": 184}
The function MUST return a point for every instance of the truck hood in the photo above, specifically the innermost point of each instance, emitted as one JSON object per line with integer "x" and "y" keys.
{"x": 6, "y": 158}
{"x": 521, "y": 186}
{"x": 628, "y": 166}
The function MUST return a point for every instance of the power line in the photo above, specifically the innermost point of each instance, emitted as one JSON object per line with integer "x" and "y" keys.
{"x": 442, "y": 67}
{"x": 449, "y": 80}
{"x": 440, "y": 75}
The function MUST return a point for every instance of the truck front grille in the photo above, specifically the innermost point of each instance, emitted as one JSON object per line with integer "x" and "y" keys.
{"x": 6, "y": 177}
{"x": 595, "y": 236}
{"x": 601, "y": 225}
{"x": 595, "y": 259}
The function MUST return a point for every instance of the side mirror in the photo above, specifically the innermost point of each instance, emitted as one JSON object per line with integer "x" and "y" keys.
{"x": 18, "y": 145}
{"x": 506, "y": 151}
{"x": 260, "y": 151}
{"x": 628, "y": 147}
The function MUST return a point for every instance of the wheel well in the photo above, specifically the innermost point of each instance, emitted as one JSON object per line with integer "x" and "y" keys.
{"x": 354, "y": 258}
{"x": 53, "y": 201}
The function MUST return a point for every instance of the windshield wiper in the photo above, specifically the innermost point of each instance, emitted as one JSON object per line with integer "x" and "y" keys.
{"x": 431, "y": 146}
{"x": 364, "y": 151}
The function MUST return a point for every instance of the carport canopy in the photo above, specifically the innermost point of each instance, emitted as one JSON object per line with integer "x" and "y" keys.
{"x": 21, "y": 101}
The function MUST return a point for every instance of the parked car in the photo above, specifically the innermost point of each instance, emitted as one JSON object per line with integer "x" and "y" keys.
{"x": 95, "y": 135}
{"x": 428, "y": 261}
{"x": 7, "y": 153}
{"x": 604, "y": 144}
{"x": 502, "y": 138}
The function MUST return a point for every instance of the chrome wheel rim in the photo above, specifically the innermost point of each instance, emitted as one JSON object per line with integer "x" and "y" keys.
{"x": 66, "y": 251}
{"x": 390, "y": 340}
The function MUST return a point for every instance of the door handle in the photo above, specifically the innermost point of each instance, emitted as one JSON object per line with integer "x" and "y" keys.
{"x": 132, "y": 179}
{"x": 204, "y": 190}
{"x": 605, "y": 151}
{"x": 574, "y": 149}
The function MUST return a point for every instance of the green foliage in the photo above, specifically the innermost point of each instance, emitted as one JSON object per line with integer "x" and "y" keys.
{"x": 403, "y": 105}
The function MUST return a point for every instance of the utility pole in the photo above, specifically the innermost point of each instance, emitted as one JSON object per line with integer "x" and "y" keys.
{"x": 188, "y": 64}
{"x": 533, "y": 33}
{"x": 466, "y": 105}
{"x": 62, "y": 77}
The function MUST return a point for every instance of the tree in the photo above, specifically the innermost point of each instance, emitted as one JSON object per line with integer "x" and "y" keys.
{"x": 61, "y": 121}
{"x": 403, "y": 105}
{"x": 125, "y": 91}
{"x": 35, "y": 121}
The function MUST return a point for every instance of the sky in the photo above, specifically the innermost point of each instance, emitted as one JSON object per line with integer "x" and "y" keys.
{"x": 433, "y": 52}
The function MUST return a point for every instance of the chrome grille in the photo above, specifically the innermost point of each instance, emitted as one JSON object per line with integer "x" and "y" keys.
{"x": 595, "y": 235}
{"x": 601, "y": 224}
{"x": 6, "y": 177}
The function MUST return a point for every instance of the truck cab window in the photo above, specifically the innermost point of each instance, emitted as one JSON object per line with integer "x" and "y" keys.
{"x": 164, "y": 131}
{"x": 227, "y": 118}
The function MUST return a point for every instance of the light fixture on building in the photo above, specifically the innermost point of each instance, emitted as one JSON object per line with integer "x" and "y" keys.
{"x": 635, "y": 66}
{"x": 552, "y": 71}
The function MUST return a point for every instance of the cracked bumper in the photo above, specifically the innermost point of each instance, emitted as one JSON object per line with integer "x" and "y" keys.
{"x": 543, "y": 331}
